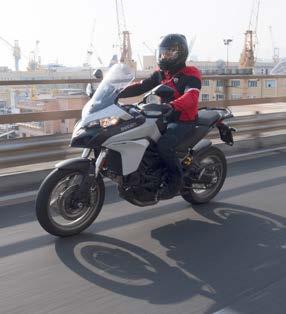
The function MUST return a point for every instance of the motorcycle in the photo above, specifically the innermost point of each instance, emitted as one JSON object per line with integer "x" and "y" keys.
{"x": 119, "y": 143}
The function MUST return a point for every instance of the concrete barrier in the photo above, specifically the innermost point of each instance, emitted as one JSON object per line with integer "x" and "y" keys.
{"x": 28, "y": 178}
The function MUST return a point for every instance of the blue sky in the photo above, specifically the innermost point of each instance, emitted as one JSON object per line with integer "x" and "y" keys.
{"x": 63, "y": 27}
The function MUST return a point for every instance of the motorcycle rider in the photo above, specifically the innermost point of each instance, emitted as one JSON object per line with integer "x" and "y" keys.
{"x": 186, "y": 82}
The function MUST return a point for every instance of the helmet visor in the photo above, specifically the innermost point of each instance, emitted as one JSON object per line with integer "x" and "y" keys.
{"x": 168, "y": 53}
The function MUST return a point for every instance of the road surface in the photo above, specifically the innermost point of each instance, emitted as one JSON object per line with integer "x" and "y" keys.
{"x": 228, "y": 256}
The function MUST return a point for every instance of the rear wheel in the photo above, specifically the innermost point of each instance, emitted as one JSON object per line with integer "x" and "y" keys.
{"x": 63, "y": 207}
{"x": 214, "y": 164}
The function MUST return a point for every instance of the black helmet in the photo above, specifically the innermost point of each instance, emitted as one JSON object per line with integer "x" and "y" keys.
{"x": 173, "y": 52}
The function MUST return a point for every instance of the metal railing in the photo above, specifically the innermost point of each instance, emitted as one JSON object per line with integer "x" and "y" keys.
{"x": 69, "y": 114}
{"x": 75, "y": 114}
{"x": 54, "y": 147}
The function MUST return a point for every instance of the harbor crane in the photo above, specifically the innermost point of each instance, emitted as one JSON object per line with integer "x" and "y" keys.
{"x": 91, "y": 50}
{"x": 152, "y": 51}
{"x": 275, "y": 56}
{"x": 16, "y": 51}
{"x": 123, "y": 36}
{"x": 247, "y": 57}
{"x": 191, "y": 45}
{"x": 34, "y": 58}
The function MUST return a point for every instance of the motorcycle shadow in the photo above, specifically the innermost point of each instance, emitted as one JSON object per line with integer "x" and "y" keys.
{"x": 232, "y": 249}
{"x": 235, "y": 252}
{"x": 124, "y": 268}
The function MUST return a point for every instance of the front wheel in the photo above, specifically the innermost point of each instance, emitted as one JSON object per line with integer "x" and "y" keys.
{"x": 214, "y": 163}
{"x": 68, "y": 201}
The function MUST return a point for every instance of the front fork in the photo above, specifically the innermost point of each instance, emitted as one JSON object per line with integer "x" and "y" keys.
{"x": 92, "y": 172}
{"x": 86, "y": 153}
{"x": 99, "y": 161}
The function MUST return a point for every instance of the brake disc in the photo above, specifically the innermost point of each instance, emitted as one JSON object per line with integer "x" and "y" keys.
{"x": 69, "y": 207}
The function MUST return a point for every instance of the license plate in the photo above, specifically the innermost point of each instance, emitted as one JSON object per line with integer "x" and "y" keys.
{"x": 226, "y": 134}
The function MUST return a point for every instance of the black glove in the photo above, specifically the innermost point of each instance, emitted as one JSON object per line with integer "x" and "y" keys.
{"x": 170, "y": 114}
{"x": 166, "y": 108}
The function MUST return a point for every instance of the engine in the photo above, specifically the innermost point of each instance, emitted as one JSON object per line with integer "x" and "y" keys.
{"x": 140, "y": 188}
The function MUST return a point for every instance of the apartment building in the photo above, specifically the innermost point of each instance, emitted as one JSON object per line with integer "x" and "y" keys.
{"x": 248, "y": 87}
{"x": 49, "y": 103}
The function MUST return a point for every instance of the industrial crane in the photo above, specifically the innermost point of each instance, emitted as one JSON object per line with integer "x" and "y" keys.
{"x": 275, "y": 56}
{"x": 247, "y": 57}
{"x": 123, "y": 36}
{"x": 16, "y": 51}
{"x": 191, "y": 45}
{"x": 91, "y": 50}
{"x": 34, "y": 58}
{"x": 152, "y": 51}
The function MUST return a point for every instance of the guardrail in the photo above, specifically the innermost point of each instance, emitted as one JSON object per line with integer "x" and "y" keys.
{"x": 24, "y": 151}
{"x": 75, "y": 114}
{"x": 54, "y": 147}
{"x": 254, "y": 126}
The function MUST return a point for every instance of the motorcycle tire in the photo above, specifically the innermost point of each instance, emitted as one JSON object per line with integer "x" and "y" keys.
{"x": 197, "y": 196}
{"x": 74, "y": 222}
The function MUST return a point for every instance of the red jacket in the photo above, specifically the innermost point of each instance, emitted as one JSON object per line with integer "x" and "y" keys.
{"x": 186, "y": 84}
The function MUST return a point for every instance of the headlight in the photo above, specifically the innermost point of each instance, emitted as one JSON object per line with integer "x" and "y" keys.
{"x": 104, "y": 122}
{"x": 92, "y": 124}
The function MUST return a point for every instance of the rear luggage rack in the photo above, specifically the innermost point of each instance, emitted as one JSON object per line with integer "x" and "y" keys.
{"x": 225, "y": 113}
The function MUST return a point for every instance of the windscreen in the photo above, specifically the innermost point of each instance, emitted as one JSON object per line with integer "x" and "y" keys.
{"x": 118, "y": 77}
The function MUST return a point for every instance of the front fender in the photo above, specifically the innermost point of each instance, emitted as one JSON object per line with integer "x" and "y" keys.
{"x": 78, "y": 163}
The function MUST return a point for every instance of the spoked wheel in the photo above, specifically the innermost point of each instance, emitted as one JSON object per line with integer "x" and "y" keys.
{"x": 68, "y": 201}
{"x": 214, "y": 165}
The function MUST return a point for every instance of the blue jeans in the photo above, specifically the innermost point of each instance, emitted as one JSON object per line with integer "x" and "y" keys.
{"x": 175, "y": 135}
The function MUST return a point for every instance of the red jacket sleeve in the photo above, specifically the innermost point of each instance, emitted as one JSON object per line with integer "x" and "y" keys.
{"x": 188, "y": 103}
{"x": 190, "y": 90}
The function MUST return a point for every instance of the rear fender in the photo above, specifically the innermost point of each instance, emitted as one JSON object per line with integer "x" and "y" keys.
{"x": 201, "y": 147}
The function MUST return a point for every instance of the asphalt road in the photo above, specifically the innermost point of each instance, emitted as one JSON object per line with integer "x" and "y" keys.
{"x": 228, "y": 256}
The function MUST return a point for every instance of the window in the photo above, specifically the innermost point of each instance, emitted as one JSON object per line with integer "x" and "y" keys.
{"x": 235, "y": 83}
{"x": 252, "y": 83}
{"x": 219, "y": 83}
{"x": 219, "y": 97}
{"x": 206, "y": 83}
{"x": 235, "y": 96}
{"x": 205, "y": 97}
{"x": 270, "y": 83}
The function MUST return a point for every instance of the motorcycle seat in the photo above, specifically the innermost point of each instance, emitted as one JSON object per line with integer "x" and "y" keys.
{"x": 207, "y": 117}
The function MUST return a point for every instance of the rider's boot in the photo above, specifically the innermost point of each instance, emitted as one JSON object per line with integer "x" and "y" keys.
{"x": 171, "y": 187}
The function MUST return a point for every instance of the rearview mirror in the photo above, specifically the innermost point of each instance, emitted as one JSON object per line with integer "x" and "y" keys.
{"x": 89, "y": 90}
{"x": 98, "y": 74}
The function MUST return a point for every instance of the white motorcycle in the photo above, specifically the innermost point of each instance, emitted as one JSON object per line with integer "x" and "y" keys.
{"x": 119, "y": 143}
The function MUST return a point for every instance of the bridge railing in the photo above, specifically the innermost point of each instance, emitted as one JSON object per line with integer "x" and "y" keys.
{"x": 279, "y": 93}
{"x": 55, "y": 147}
{"x": 37, "y": 149}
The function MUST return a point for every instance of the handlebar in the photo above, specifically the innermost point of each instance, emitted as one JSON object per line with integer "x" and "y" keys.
{"x": 150, "y": 110}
